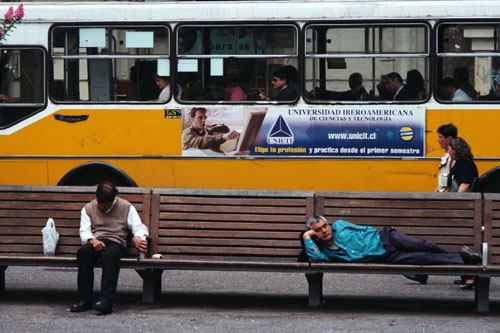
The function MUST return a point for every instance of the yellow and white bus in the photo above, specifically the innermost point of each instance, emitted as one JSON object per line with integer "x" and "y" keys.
{"x": 105, "y": 90}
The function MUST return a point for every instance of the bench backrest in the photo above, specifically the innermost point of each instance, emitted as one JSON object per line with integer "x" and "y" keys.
{"x": 229, "y": 224}
{"x": 450, "y": 220}
{"x": 492, "y": 226}
{"x": 24, "y": 211}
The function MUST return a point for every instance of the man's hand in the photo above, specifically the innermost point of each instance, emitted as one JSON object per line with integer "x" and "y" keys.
{"x": 140, "y": 244}
{"x": 97, "y": 244}
{"x": 309, "y": 234}
{"x": 231, "y": 135}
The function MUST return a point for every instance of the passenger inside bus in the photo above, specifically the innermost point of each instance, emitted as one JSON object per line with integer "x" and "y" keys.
{"x": 461, "y": 77}
{"x": 401, "y": 91}
{"x": 233, "y": 91}
{"x": 163, "y": 82}
{"x": 281, "y": 82}
{"x": 192, "y": 91}
{"x": 356, "y": 92}
{"x": 383, "y": 93}
{"x": 143, "y": 86}
{"x": 415, "y": 81}
{"x": 451, "y": 91}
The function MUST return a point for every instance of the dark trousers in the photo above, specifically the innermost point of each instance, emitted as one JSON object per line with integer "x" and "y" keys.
{"x": 110, "y": 260}
{"x": 404, "y": 249}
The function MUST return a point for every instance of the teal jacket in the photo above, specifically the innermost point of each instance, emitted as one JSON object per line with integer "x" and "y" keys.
{"x": 356, "y": 244}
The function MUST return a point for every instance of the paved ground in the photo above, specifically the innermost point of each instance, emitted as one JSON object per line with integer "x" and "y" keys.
{"x": 39, "y": 298}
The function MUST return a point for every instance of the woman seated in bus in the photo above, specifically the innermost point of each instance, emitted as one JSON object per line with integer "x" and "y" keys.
{"x": 281, "y": 82}
{"x": 232, "y": 90}
{"x": 415, "y": 83}
{"x": 4, "y": 98}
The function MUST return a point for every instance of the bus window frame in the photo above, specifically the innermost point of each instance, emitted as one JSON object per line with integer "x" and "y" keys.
{"x": 251, "y": 24}
{"x": 132, "y": 25}
{"x": 438, "y": 55}
{"x": 37, "y": 107}
{"x": 378, "y": 24}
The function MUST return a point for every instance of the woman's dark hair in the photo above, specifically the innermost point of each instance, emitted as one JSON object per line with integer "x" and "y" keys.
{"x": 461, "y": 148}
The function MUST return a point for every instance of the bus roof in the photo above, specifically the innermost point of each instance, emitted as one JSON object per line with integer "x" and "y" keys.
{"x": 223, "y": 11}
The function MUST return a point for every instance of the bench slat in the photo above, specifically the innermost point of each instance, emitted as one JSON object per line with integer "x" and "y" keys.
{"x": 230, "y": 242}
{"x": 394, "y": 203}
{"x": 232, "y": 217}
{"x": 230, "y": 225}
{"x": 245, "y": 201}
{"x": 226, "y": 250}
{"x": 231, "y": 233}
{"x": 399, "y": 213}
{"x": 416, "y": 222}
{"x": 234, "y": 209}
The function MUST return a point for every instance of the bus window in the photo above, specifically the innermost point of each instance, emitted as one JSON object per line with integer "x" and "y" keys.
{"x": 22, "y": 91}
{"x": 367, "y": 63}
{"x": 468, "y": 62}
{"x": 111, "y": 64}
{"x": 235, "y": 63}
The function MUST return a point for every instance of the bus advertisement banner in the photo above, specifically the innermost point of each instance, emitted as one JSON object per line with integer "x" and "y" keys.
{"x": 337, "y": 131}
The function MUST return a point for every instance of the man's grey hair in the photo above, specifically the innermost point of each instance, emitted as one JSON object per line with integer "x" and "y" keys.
{"x": 313, "y": 220}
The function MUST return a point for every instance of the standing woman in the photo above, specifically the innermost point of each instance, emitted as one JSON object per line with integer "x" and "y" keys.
{"x": 464, "y": 171}
{"x": 461, "y": 176}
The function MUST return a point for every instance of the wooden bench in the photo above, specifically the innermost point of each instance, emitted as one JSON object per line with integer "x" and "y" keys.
{"x": 24, "y": 210}
{"x": 491, "y": 244}
{"x": 450, "y": 220}
{"x": 250, "y": 230}
{"x": 233, "y": 230}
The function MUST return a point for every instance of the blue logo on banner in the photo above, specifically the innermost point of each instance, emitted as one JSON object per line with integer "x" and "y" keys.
{"x": 280, "y": 133}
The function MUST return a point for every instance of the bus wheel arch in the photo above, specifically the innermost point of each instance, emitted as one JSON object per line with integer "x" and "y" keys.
{"x": 92, "y": 173}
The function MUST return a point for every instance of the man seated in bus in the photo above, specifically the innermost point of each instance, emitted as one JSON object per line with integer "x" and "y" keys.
{"x": 347, "y": 242}
{"x": 197, "y": 136}
{"x": 281, "y": 82}
{"x": 450, "y": 90}
{"x": 401, "y": 91}
{"x": 461, "y": 78}
{"x": 356, "y": 92}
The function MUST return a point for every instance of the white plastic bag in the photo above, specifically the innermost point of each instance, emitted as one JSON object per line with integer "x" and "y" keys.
{"x": 50, "y": 238}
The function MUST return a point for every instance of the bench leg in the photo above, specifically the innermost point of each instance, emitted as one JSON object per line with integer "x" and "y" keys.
{"x": 151, "y": 284}
{"x": 315, "y": 281}
{"x": 2, "y": 279}
{"x": 482, "y": 296}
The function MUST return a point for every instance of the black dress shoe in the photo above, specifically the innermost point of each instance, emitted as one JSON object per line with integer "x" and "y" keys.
{"x": 421, "y": 278}
{"x": 103, "y": 306}
{"x": 470, "y": 257}
{"x": 80, "y": 306}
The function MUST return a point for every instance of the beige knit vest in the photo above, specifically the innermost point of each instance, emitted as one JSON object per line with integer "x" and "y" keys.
{"x": 113, "y": 225}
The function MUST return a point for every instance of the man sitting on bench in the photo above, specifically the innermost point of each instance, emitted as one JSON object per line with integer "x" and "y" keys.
{"x": 104, "y": 227}
{"x": 347, "y": 242}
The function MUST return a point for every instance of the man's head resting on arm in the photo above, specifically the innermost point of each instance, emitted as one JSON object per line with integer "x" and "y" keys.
{"x": 318, "y": 229}
{"x": 105, "y": 195}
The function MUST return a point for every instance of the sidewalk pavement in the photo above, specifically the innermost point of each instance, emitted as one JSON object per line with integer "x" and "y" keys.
{"x": 195, "y": 301}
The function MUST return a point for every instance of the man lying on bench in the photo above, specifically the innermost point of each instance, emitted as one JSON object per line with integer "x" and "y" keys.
{"x": 347, "y": 242}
